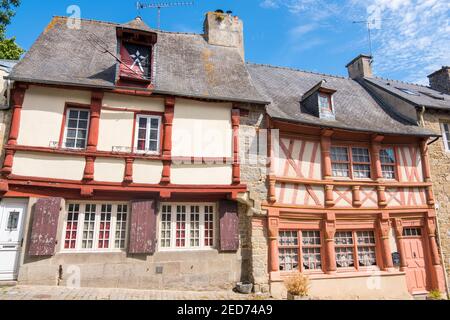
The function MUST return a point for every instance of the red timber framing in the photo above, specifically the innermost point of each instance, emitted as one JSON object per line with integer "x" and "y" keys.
{"x": 390, "y": 209}
{"x": 15, "y": 186}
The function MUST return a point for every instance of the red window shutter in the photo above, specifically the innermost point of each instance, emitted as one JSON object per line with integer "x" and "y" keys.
{"x": 229, "y": 226}
{"x": 143, "y": 227}
{"x": 45, "y": 225}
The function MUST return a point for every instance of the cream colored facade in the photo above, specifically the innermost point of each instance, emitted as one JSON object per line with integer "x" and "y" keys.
{"x": 200, "y": 129}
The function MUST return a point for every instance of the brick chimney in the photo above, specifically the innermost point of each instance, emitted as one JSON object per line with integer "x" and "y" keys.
{"x": 224, "y": 29}
{"x": 440, "y": 80}
{"x": 360, "y": 67}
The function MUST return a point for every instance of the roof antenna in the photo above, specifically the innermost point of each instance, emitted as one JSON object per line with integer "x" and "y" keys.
{"x": 161, "y": 5}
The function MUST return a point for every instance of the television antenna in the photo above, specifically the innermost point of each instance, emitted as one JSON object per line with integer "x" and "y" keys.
{"x": 161, "y": 5}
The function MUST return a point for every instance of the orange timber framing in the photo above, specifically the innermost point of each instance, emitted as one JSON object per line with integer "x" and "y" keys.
{"x": 328, "y": 218}
{"x": 21, "y": 186}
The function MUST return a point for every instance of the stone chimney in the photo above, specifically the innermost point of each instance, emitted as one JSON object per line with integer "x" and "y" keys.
{"x": 360, "y": 67}
{"x": 440, "y": 80}
{"x": 223, "y": 29}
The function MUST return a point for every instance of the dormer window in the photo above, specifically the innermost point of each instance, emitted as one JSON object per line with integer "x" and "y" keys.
{"x": 135, "y": 61}
{"x": 136, "y": 56}
{"x": 319, "y": 101}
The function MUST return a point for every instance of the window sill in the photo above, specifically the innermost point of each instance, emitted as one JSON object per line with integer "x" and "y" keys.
{"x": 190, "y": 250}
{"x": 69, "y": 252}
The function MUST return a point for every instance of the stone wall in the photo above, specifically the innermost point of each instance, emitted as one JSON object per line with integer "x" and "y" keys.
{"x": 5, "y": 119}
{"x": 440, "y": 171}
{"x": 253, "y": 154}
{"x": 202, "y": 270}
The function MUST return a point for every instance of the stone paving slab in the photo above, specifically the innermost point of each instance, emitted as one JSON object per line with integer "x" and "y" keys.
{"x": 64, "y": 293}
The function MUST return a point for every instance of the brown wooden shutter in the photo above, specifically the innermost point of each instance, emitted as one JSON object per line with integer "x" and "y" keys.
{"x": 45, "y": 226}
{"x": 229, "y": 226}
{"x": 143, "y": 227}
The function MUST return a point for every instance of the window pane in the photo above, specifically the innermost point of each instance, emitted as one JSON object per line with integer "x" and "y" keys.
{"x": 194, "y": 226}
{"x": 360, "y": 155}
{"x": 339, "y": 154}
{"x": 89, "y": 225}
{"x": 72, "y": 226}
{"x": 121, "y": 226}
{"x": 310, "y": 238}
{"x": 143, "y": 122}
{"x": 388, "y": 171}
{"x": 344, "y": 257}
{"x": 209, "y": 226}
{"x": 367, "y": 256}
{"x": 311, "y": 258}
{"x": 288, "y": 238}
{"x": 412, "y": 232}
{"x": 446, "y": 135}
{"x": 361, "y": 171}
{"x": 181, "y": 227}
{"x": 155, "y": 123}
{"x": 84, "y": 115}
{"x": 105, "y": 227}
{"x": 166, "y": 219}
{"x": 387, "y": 156}
{"x": 343, "y": 238}
{"x": 365, "y": 237}
{"x": 288, "y": 259}
{"x": 340, "y": 170}
{"x": 324, "y": 102}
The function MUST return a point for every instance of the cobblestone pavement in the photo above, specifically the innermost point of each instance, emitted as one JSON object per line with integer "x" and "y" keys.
{"x": 63, "y": 293}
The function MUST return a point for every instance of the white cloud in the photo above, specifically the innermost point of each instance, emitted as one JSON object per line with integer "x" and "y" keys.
{"x": 413, "y": 39}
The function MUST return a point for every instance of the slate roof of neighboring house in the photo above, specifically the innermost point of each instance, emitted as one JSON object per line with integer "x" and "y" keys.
{"x": 413, "y": 93}
{"x": 7, "y": 65}
{"x": 185, "y": 64}
{"x": 355, "y": 108}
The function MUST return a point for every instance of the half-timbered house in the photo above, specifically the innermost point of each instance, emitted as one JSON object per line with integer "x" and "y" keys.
{"x": 121, "y": 164}
{"x": 350, "y": 197}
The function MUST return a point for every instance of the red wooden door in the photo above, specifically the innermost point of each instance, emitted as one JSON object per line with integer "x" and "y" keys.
{"x": 416, "y": 275}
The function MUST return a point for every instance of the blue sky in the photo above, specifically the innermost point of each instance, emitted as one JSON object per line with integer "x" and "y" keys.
{"x": 411, "y": 38}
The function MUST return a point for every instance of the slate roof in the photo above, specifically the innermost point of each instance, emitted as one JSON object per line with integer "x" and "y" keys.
{"x": 185, "y": 64}
{"x": 355, "y": 108}
{"x": 423, "y": 96}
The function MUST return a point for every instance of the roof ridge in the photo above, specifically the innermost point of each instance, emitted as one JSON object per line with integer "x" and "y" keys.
{"x": 119, "y": 24}
{"x": 400, "y": 81}
{"x": 299, "y": 70}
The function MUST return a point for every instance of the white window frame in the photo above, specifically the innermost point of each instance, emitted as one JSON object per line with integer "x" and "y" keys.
{"x": 173, "y": 222}
{"x": 444, "y": 136}
{"x": 147, "y": 139}
{"x": 66, "y": 128}
{"x": 79, "y": 238}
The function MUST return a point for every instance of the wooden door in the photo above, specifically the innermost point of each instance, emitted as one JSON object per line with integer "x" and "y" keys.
{"x": 416, "y": 275}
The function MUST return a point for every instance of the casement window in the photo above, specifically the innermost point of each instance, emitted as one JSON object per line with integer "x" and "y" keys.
{"x": 148, "y": 134}
{"x": 325, "y": 102}
{"x": 388, "y": 163}
{"x": 446, "y": 135}
{"x": 355, "y": 249}
{"x": 340, "y": 162}
{"x": 76, "y": 128}
{"x": 299, "y": 249}
{"x": 95, "y": 227}
{"x": 350, "y": 162}
{"x": 187, "y": 226}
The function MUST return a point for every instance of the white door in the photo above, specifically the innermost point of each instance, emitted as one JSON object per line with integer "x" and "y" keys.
{"x": 12, "y": 216}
